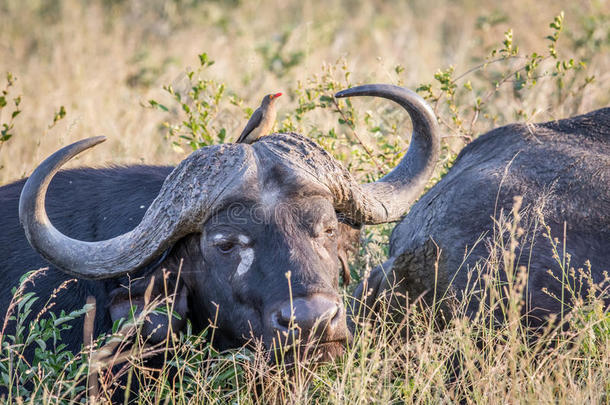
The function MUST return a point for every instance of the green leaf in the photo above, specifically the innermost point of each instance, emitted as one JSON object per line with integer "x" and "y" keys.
{"x": 222, "y": 134}
{"x": 42, "y": 344}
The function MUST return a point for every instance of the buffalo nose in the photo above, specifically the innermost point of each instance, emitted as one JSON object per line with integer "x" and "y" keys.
{"x": 314, "y": 316}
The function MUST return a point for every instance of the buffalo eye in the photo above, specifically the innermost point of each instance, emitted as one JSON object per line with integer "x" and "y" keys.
{"x": 225, "y": 246}
{"x": 330, "y": 232}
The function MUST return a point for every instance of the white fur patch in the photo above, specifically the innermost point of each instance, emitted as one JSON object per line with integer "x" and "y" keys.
{"x": 244, "y": 239}
{"x": 247, "y": 257}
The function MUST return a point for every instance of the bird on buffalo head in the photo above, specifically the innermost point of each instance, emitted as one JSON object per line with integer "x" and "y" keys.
{"x": 261, "y": 121}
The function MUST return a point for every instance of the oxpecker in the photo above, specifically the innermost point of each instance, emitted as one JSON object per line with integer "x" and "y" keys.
{"x": 261, "y": 121}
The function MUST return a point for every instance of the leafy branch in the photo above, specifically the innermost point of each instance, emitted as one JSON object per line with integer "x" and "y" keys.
{"x": 201, "y": 105}
{"x": 447, "y": 93}
{"x": 6, "y": 128}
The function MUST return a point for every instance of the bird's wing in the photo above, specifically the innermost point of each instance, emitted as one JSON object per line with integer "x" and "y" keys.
{"x": 254, "y": 122}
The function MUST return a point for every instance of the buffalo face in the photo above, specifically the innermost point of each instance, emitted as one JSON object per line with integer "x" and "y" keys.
{"x": 269, "y": 269}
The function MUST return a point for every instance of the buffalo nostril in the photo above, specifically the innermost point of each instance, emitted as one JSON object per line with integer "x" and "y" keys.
{"x": 308, "y": 313}
{"x": 283, "y": 317}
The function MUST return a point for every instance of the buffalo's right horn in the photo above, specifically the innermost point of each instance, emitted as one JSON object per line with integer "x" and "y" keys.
{"x": 184, "y": 203}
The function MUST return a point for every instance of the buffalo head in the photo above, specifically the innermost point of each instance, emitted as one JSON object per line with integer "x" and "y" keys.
{"x": 253, "y": 230}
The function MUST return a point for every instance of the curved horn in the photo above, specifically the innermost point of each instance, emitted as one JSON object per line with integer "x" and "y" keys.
{"x": 184, "y": 203}
{"x": 390, "y": 197}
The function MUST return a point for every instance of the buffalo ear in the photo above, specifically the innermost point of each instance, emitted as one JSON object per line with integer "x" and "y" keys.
{"x": 347, "y": 244}
{"x": 347, "y": 277}
{"x": 141, "y": 293}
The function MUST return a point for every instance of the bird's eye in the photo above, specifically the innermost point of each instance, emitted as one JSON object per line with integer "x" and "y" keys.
{"x": 225, "y": 246}
{"x": 330, "y": 232}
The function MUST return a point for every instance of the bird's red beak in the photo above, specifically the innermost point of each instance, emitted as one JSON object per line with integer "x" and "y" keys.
{"x": 276, "y": 95}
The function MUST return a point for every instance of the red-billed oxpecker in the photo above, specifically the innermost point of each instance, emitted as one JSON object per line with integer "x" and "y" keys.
{"x": 262, "y": 120}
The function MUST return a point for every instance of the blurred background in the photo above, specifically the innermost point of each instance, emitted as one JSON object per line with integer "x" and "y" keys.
{"x": 86, "y": 68}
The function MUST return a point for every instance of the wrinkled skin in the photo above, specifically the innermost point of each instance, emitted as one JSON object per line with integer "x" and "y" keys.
{"x": 562, "y": 170}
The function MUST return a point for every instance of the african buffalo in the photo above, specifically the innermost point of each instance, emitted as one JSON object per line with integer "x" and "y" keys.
{"x": 560, "y": 173}
{"x": 253, "y": 231}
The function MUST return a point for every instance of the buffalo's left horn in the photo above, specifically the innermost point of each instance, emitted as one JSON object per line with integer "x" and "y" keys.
{"x": 184, "y": 203}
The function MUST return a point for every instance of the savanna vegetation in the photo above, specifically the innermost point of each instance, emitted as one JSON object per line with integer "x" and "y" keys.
{"x": 163, "y": 77}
